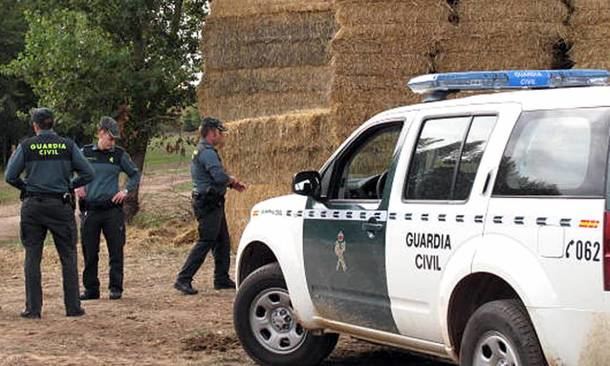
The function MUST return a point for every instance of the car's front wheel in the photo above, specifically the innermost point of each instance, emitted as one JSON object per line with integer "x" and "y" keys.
{"x": 266, "y": 324}
{"x": 501, "y": 333}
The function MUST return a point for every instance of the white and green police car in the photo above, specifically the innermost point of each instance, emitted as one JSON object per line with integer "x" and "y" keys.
{"x": 474, "y": 229}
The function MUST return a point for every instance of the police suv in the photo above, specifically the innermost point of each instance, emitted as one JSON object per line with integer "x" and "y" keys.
{"x": 476, "y": 230}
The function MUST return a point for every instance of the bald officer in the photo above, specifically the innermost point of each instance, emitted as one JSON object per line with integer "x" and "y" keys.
{"x": 49, "y": 162}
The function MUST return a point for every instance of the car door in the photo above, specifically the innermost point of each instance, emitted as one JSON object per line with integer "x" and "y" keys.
{"x": 438, "y": 206}
{"x": 344, "y": 233}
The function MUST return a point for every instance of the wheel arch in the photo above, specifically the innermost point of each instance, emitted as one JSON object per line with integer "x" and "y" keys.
{"x": 469, "y": 294}
{"x": 255, "y": 255}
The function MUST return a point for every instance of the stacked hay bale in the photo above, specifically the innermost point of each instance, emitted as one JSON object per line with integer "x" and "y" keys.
{"x": 381, "y": 44}
{"x": 266, "y": 152}
{"x": 591, "y": 33}
{"x": 267, "y": 73}
{"x": 266, "y": 57}
{"x": 500, "y": 34}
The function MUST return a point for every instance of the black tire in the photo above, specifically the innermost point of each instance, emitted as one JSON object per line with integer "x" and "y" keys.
{"x": 501, "y": 328}
{"x": 269, "y": 281}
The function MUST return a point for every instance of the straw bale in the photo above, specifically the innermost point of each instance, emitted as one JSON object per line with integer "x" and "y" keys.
{"x": 268, "y": 80}
{"x": 248, "y": 8}
{"x": 279, "y": 40}
{"x": 391, "y": 38}
{"x": 239, "y": 205}
{"x": 370, "y": 88}
{"x": 277, "y": 54}
{"x": 391, "y": 65}
{"x": 493, "y": 60}
{"x": 590, "y": 12}
{"x": 515, "y": 11}
{"x": 350, "y": 115}
{"x": 593, "y": 33}
{"x": 269, "y": 150}
{"x": 244, "y": 105}
{"x": 591, "y": 54}
{"x": 404, "y": 12}
{"x": 232, "y": 31}
{"x": 501, "y": 36}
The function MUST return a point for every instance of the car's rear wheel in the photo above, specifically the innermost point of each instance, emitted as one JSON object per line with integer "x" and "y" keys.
{"x": 500, "y": 333}
{"x": 266, "y": 324}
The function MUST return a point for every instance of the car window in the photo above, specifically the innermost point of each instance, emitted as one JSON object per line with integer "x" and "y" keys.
{"x": 479, "y": 133}
{"x": 366, "y": 163}
{"x": 447, "y": 156}
{"x": 555, "y": 153}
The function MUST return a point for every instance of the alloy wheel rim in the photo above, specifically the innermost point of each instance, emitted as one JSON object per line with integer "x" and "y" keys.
{"x": 273, "y": 322}
{"x": 494, "y": 349}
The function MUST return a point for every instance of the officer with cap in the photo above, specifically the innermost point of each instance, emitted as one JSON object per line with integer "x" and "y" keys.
{"x": 49, "y": 162}
{"x": 210, "y": 183}
{"x": 101, "y": 206}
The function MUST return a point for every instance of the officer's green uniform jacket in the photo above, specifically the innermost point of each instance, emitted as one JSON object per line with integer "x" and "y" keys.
{"x": 108, "y": 165}
{"x": 49, "y": 161}
{"x": 207, "y": 171}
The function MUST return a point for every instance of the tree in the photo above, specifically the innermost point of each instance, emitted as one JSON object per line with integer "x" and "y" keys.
{"x": 15, "y": 94}
{"x": 136, "y": 60}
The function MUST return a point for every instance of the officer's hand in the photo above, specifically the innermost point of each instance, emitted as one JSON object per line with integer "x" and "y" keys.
{"x": 119, "y": 197}
{"x": 239, "y": 186}
{"x": 80, "y": 192}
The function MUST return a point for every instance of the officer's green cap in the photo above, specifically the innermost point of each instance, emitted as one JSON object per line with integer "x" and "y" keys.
{"x": 41, "y": 114}
{"x": 211, "y": 122}
{"x": 111, "y": 126}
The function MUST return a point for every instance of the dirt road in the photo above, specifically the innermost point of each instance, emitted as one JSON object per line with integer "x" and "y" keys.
{"x": 153, "y": 324}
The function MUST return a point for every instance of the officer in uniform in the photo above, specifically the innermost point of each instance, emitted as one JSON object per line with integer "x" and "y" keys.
{"x": 49, "y": 162}
{"x": 101, "y": 206}
{"x": 210, "y": 183}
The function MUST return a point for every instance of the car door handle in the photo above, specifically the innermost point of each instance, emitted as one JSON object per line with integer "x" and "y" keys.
{"x": 372, "y": 226}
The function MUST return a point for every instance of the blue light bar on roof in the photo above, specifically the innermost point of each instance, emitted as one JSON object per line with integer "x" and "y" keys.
{"x": 514, "y": 79}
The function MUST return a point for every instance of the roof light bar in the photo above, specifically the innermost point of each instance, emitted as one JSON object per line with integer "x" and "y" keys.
{"x": 439, "y": 85}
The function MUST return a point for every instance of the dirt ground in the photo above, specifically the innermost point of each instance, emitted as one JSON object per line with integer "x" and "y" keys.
{"x": 152, "y": 324}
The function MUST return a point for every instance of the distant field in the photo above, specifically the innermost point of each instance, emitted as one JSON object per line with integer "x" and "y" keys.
{"x": 167, "y": 153}
{"x": 8, "y": 194}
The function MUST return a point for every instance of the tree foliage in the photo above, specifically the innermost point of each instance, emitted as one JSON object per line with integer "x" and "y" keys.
{"x": 136, "y": 60}
{"x": 15, "y": 95}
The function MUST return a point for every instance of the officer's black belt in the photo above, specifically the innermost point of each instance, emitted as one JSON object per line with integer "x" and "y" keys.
{"x": 98, "y": 205}
{"x": 45, "y": 195}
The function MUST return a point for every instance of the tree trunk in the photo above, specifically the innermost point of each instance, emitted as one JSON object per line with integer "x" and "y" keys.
{"x": 137, "y": 151}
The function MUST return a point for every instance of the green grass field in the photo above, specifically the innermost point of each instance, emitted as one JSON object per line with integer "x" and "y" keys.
{"x": 8, "y": 194}
{"x": 158, "y": 158}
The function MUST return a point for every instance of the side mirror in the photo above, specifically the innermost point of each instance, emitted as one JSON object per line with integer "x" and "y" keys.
{"x": 307, "y": 183}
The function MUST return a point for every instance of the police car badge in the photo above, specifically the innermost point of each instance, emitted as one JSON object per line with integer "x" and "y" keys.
{"x": 340, "y": 250}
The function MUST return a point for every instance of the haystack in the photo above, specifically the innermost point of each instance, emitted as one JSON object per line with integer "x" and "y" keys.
{"x": 266, "y": 152}
{"x": 294, "y": 78}
{"x": 591, "y": 34}
{"x": 266, "y": 57}
{"x": 499, "y": 34}
{"x": 380, "y": 45}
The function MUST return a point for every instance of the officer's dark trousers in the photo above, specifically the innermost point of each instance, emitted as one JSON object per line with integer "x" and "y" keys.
{"x": 39, "y": 214}
{"x": 111, "y": 222}
{"x": 214, "y": 235}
